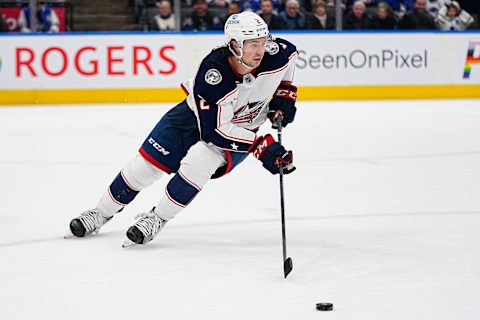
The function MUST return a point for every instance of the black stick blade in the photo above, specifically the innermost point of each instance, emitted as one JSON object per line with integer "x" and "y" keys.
{"x": 287, "y": 266}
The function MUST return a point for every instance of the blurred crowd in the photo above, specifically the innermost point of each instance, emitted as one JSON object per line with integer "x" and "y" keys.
{"x": 46, "y": 20}
{"x": 203, "y": 15}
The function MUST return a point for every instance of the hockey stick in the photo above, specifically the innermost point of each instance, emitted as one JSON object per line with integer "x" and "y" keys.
{"x": 287, "y": 262}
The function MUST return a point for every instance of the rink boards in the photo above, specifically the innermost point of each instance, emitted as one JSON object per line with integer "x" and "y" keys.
{"x": 148, "y": 67}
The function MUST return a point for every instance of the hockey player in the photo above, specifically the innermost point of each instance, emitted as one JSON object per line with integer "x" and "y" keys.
{"x": 236, "y": 89}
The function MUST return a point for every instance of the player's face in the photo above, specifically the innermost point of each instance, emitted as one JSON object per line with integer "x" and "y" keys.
{"x": 253, "y": 51}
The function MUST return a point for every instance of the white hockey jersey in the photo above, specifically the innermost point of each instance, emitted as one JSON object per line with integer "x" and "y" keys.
{"x": 230, "y": 107}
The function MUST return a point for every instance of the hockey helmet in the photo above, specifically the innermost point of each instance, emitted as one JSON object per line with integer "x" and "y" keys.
{"x": 244, "y": 26}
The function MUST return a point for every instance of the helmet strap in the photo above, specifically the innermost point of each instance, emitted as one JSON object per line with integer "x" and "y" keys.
{"x": 243, "y": 63}
{"x": 240, "y": 56}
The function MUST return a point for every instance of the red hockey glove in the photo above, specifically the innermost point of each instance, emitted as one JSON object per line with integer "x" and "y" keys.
{"x": 272, "y": 153}
{"x": 283, "y": 103}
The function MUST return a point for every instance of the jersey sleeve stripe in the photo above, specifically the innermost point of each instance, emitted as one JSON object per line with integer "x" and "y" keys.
{"x": 279, "y": 69}
{"x": 226, "y": 96}
{"x": 184, "y": 89}
{"x": 219, "y": 116}
{"x": 292, "y": 55}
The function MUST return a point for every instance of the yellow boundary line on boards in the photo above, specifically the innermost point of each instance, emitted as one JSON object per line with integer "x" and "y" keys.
{"x": 72, "y": 96}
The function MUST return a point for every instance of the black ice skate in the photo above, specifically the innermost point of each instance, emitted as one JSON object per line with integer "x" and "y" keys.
{"x": 88, "y": 222}
{"x": 146, "y": 228}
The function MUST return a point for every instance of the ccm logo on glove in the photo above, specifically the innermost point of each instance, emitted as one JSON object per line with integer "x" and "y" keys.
{"x": 263, "y": 143}
{"x": 287, "y": 94}
{"x": 271, "y": 153}
{"x": 283, "y": 103}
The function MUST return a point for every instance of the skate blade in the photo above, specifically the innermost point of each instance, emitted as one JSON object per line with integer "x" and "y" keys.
{"x": 69, "y": 236}
{"x": 128, "y": 244}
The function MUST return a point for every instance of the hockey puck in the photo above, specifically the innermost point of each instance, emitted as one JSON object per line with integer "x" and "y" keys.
{"x": 324, "y": 306}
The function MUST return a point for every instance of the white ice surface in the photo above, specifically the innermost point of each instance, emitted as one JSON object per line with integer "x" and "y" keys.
{"x": 383, "y": 219}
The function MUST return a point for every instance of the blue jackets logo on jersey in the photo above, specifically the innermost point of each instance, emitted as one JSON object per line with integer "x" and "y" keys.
{"x": 213, "y": 77}
{"x": 249, "y": 112}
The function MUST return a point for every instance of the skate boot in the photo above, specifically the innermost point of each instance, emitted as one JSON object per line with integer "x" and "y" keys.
{"x": 146, "y": 228}
{"x": 88, "y": 222}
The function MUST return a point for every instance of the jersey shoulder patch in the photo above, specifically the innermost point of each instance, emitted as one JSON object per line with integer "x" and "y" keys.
{"x": 214, "y": 78}
{"x": 272, "y": 48}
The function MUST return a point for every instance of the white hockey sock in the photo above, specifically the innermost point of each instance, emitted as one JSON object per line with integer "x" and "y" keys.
{"x": 196, "y": 169}
{"x": 134, "y": 177}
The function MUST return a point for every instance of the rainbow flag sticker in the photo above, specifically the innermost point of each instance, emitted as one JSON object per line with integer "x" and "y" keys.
{"x": 471, "y": 59}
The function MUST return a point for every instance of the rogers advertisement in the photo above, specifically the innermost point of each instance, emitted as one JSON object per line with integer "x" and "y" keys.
{"x": 55, "y": 61}
{"x": 91, "y": 62}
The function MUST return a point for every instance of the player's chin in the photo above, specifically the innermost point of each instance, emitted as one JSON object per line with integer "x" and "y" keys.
{"x": 256, "y": 62}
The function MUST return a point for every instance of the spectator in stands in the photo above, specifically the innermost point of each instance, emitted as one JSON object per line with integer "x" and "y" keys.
{"x": 369, "y": 6}
{"x": 165, "y": 19}
{"x": 250, "y": 5}
{"x": 3, "y": 23}
{"x": 350, "y": 3}
{"x": 47, "y": 19}
{"x": 332, "y": 3}
{"x": 256, "y": 5}
{"x": 433, "y": 6}
{"x": 201, "y": 19}
{"x": 400, "y": 7}
{"x": 219, "y": 4}
{"x": 278, "y": 6}
{"x": 189, "y": 3}
{"x": 293, "y": 18}
{"x": 452, "y": 17}
{"x": 418, "y": 18}
{"x": 320, "y": 19}
{"x": 306, "y": 6}
{"x": 234, "y": 8}
{"x": 222, "y": 8}
{"x": 273, "y": 21}
{"x": 139, "y": 11}
{"x": 384, "y": 18}
{"x": 357, "y": 19}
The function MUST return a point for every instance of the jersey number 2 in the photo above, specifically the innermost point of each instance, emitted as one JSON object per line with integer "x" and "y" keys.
{"x": 203, "y": 104}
